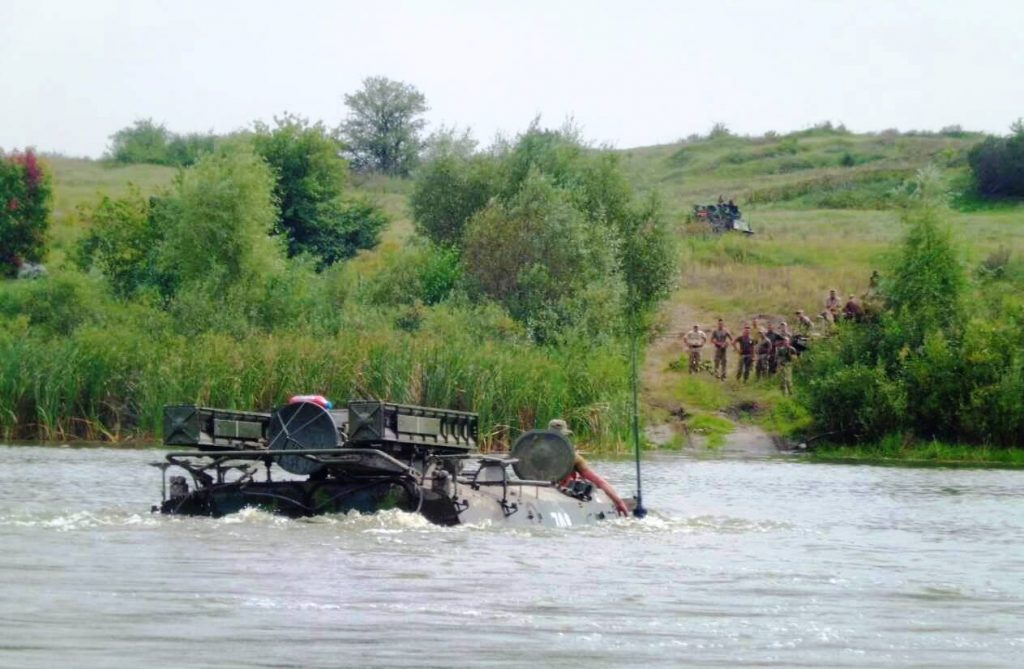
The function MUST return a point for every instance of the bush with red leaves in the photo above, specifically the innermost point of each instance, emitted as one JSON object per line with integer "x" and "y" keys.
{"x": 25, "y": 196}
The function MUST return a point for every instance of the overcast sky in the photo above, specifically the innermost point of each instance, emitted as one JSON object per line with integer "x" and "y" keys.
{"x": 631, "y": 73}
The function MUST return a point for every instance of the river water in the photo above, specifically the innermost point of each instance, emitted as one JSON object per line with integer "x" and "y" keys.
{"x": 755, "y": 563}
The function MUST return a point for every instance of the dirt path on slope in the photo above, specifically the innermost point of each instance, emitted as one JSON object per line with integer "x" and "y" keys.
{"x": 667, "y": 415}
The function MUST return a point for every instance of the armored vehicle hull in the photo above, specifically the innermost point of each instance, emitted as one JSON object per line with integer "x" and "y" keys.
{"x": 367, "y": 458}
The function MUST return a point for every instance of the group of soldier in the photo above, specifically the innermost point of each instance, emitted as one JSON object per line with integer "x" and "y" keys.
{"x": 767, "y": 350}
{"x": 760, "y": 347}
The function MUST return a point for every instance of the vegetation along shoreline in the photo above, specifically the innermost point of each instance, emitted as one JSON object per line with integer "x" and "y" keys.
{"x": 289, "y": 257}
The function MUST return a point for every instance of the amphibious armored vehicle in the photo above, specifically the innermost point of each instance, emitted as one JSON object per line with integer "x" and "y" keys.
{"x": 304, "y": 459}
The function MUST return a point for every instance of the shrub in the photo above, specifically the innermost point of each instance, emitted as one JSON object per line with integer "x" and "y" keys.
{"x": 142, "y": 142}
{"x": 122, "y": 243}
{"x": 997, "y": 165}
{"x": 928, "y": 279}
{"x": 57, "y": 306}
{"x": 924, "y": 368}
{"x": 419, "y": 273}
{"x": 309, "y": 179}
{"x": 219, "y": 235}
{"x": 25, "y": 199}
{"x": 856, "y": 401}
{"x": 542, "y": 222}
{"x": 148, "y": 142}
{"x": 186, "y": 150}
{"x": 719, "y": 131}
{"x": 534, "y": 254}
{"x": 448, "y": 191}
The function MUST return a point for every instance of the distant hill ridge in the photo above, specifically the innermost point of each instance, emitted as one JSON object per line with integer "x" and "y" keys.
{"x": 822, "y": 167}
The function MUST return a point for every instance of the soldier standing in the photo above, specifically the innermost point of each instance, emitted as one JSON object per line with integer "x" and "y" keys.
{"x": 805, "y": 323}
{"x": 764, "y": 353}
{"x": 853, "y": 311}
{"x": 784, "y": 353}
{"x": 744, "y": 345}
{"x": 832, "y": 304}
{"x": 720, "y": 337}
{"x": 695, "y": 340}
{"x": 772, "y": 337}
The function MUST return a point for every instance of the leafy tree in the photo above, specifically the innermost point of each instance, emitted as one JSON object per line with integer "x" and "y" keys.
{"x": 646, "y": 258}
{"x": 928, "y": 279}
{"x": 142, "y": 142}
{"x": 582, "y": 234}
{"x": 309, "y": 180}
{"x": 536, "y": 255}
{"x": 225, "y": 209}
{"x": 448, "y": 141}
{"x": 122, "y": 243}
{"x": 185, "y": 150}
{"x": 25, "y": 197}
{"x": 148, "y": 142}
{"x": 383, "y": 128}
{"x": 448, "y": 191}
{"x": 452, "y": 187}
{"x": 997, "y": 164}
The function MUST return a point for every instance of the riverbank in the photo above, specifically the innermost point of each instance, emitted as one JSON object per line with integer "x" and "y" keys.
{"x": 78, "y": 364}
{"x": 931, "y": 453}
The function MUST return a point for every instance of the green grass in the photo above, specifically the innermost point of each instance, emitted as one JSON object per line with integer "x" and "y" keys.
{"x": 110, "y": 380}
{"x": 79, "y": 181}
{"x": 893, "y": 450}
{"x": 714, "y": 428}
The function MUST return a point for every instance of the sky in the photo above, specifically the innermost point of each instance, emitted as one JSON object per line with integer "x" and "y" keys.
{"x": 630, "y": 73}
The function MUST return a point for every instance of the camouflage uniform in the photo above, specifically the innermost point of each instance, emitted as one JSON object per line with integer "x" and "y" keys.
{"x": 784, "y": 354}
{"x": 746, "y": 346}
{"x": 720, "y": 338}
{"x": 764, "y": 354}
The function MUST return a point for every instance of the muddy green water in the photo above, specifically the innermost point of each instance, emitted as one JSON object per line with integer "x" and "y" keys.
{"x": 762, "y": 563}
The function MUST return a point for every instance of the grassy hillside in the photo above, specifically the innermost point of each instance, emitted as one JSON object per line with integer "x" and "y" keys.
{"x": 822, "y": 205}
{"x": 78, "y": 182}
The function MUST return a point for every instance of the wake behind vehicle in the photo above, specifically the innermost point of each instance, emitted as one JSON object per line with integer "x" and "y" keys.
{"x": 305, "y": 459}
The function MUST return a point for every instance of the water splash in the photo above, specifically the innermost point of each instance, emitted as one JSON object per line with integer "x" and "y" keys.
{"x": 80, "y": 520}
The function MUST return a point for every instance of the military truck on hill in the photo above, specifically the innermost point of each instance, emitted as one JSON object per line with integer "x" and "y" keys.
{"x": 721, "y": 217}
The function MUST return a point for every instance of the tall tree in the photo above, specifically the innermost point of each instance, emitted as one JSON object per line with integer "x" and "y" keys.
{"x": 383, "y": 127}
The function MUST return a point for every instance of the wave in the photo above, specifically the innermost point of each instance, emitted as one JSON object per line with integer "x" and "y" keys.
{"x": 80, "y": 520}
{"x": 391, "y": 522}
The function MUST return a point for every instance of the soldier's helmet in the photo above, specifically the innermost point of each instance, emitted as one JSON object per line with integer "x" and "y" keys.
{"x": 560, "y": 426}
